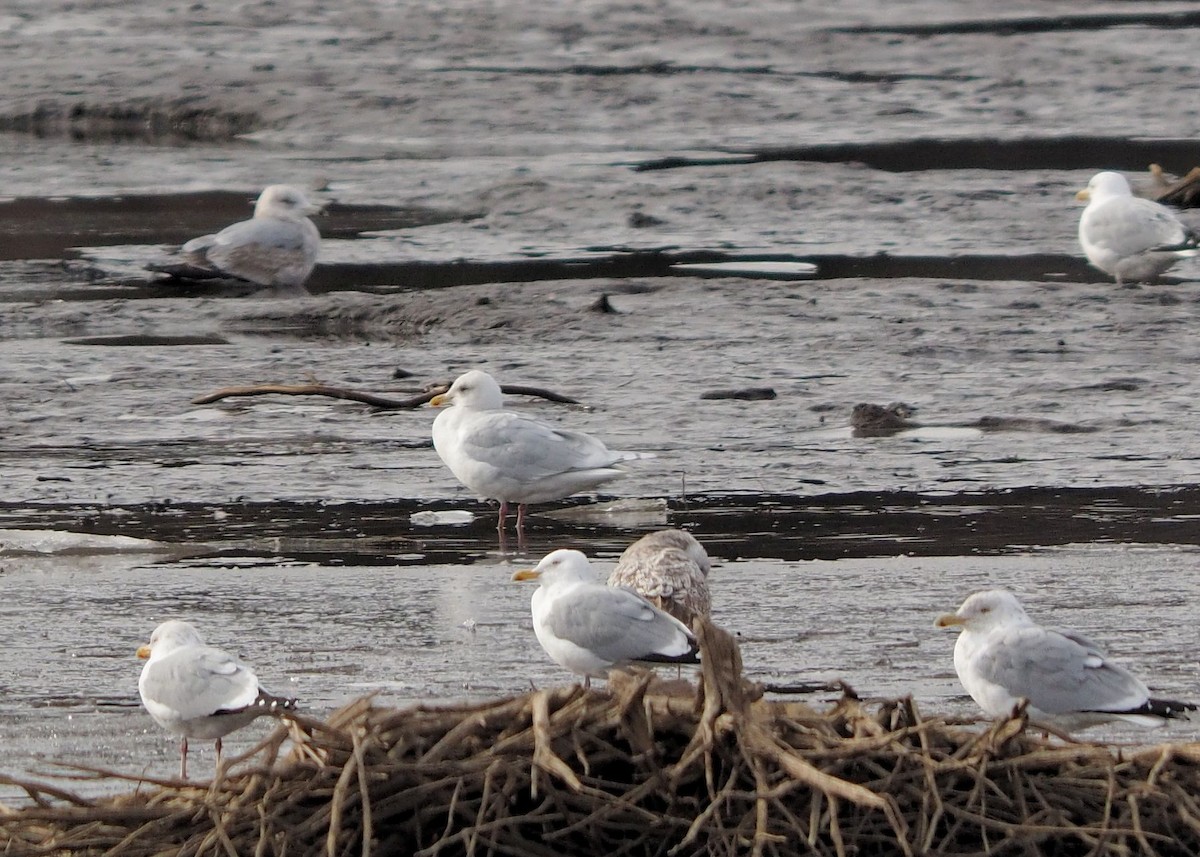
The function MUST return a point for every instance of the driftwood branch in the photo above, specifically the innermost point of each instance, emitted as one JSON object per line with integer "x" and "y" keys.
{"x": 381, "y": 402}
{"x": 836, "y": 686}
{"x": 315, "y": 390}
{"x": 569, "y": 771}
{"x": 548, "y": 395}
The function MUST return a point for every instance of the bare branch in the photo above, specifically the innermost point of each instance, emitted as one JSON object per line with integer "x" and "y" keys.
{"x": 381, "y": 402}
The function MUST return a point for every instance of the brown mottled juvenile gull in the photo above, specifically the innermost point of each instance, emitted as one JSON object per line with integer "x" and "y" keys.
{"x": 588, "y": 627}
{"x": 276, "y": 248}
{"x": 506, "y": 456}
{"x": 1132, "y": 239}
{"x": 198, "y": 691}
{"x": 1002, "y": 657}
{"x": 668, "y": 568}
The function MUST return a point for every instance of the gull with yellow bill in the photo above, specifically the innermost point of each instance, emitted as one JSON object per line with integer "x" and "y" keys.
{"x": 199, "y": 691}
{"x": 1131, "y": 238}
{"x": 506, "y": 456}
{"x": 590, "y": 628}
{"x": 1003, "y": 657}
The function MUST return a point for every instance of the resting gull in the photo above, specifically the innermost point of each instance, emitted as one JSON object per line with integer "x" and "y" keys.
{"x": 276, "y": 248}
{"x": 588, "y": 627}
{"x": 668, "y": 568}
{"x": 1132, "y": 239}
{"x": 506, "y": 456}
{"x": 198, "y": 691}
{"x": 1002, "y": 657}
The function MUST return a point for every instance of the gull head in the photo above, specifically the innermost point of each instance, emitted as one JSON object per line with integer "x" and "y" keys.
{"x": 284, "y": 202}
{"x": 560, "y": 566}
{"x": 1104, "y": 186}
{"x": 475, "y": 389}
{"x": 984, "y": 611}
{"x": 169, "y": 636}
{"x": 686, "y": 542}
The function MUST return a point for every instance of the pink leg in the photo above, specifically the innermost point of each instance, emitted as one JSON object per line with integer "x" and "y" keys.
{"x": 183, "y": 759}
{"x": 503, "y": 515}
{"x": 520, "y": 517}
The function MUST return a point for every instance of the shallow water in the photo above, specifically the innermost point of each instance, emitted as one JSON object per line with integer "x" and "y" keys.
{"x": 419, "y": 633}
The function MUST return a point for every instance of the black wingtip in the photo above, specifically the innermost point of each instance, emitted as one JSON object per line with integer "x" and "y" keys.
{"x": 183, "y": 271}
{"x": 1168, "y": 709}
{"x": 271, "y": 704}
{"x": 691, "y": 656}
{"x": 1191, "y": 241}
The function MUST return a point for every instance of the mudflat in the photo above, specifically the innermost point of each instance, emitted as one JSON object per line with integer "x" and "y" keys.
{"x": 876, "y": 205}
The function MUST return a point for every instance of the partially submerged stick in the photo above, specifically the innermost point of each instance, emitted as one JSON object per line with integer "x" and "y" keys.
{"x": 381, "y": 402}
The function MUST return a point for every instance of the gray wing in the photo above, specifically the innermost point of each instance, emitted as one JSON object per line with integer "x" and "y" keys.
{"x": 200, "y": 681}
{"x": 1130, "y": 225}
{"x": 617, "y": 625}
{"x": 529, "y": 449}
{"x": 1060, "y": 672}
{"x": 668, "y": 577}
{"x": 264, "y": 251}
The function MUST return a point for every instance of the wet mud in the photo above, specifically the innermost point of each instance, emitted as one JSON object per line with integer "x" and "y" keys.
{"x": 635, "y": 207}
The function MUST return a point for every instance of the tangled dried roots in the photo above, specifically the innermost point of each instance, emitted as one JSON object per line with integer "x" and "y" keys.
{"x": 717, "y": 771}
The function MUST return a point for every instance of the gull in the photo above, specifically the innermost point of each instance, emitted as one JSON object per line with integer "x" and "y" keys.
{"x": 277, "y": 247}
{"x": 506, "y": 456}
{"x": 1132, "y": 239}
{"x": 668, "y": 568}
{"x": 589, "y": 628}
{"x": 1002, "y": 657}
{"x": 198, "y": 691}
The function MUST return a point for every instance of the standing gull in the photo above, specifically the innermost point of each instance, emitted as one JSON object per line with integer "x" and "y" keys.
{"x": 505, "y": 456}
{"x": 1002, "y": 657}
{"x": 588, "y": 627}
{"x": 1132, "y": 239}
{"x": 198, "y": 691}
{"x": 277, "y": 247}
{"x": 668, "y": 568}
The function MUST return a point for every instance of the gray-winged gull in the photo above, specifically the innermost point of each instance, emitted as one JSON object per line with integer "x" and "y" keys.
{"x": 506, "y": 456}
{"x": 1132, "y": 239}
{"x": 198, "y": 691}
{"x": 588, "y": 627}
{"x": 277, "y": 247}
{"x": 1002, "y": 656}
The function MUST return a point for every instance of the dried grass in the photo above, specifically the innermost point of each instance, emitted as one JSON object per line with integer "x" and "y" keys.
{"x": 629, "y": 772}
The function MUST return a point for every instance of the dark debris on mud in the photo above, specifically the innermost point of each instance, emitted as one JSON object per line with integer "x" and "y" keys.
{"x": 178, "y": 122}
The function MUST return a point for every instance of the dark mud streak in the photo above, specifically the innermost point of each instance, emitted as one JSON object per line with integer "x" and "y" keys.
{"x": 889, "y": 524}
{"x": 669, "y": 68}
{"x": 143, "y": 340}
{"x": 1031, "y": 153}
{"x": 588, "y": 70}
{"x": 743, "y": 526}
{"x": 395, "y": 277}
{"x": 1050, "y": 24}
{"x": 1034, "y": 267}
{"x": 178, "y": 123}
{"x": 38, "y": 228}
{"x": 435, "y": 275}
